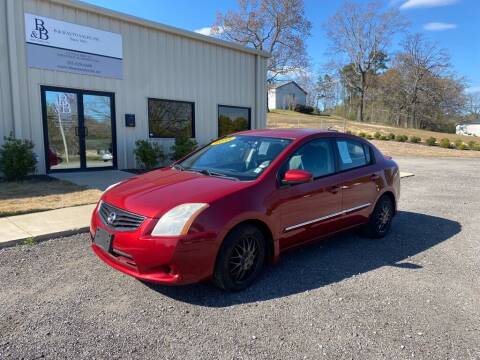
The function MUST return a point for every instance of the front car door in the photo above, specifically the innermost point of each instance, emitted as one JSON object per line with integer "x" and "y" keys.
{"x": 359, "y": 187}
{"x": 310, "y": 210}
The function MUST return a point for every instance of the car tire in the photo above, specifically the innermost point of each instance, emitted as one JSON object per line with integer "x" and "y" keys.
{"x": 241, "y": 258}
{"x": 381, "y": 218}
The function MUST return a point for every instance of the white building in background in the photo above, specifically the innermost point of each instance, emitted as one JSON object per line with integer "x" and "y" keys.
{"x": 285, "y": 95}
{"x": 471, "y": 128}
{"x": 84, "y": 83}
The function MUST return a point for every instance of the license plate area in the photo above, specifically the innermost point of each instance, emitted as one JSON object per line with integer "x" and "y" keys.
{"x": 103, "y": 239}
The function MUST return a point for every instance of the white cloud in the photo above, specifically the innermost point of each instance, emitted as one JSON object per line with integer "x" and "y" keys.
{"x": 207, "y": 30}
{"x": 472, "y": 89}
{"x": 204, "y": 30}
{"x": 410, "y": 4}
{"x": 439, "y": 26}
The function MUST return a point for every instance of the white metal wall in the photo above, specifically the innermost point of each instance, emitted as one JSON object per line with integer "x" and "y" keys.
{"x": 156, "y": 64}
{"x": 285, "y": 93}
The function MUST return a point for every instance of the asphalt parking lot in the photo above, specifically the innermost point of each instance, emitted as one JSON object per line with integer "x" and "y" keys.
{"x": 414, "y": 294}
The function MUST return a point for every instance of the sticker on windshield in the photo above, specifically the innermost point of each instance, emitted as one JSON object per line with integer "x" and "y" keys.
{"x": 344, "y": 153}
{"x": 223, "y": 141}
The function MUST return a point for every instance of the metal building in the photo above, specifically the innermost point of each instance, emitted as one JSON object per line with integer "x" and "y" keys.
{"x": 84, "y": 83}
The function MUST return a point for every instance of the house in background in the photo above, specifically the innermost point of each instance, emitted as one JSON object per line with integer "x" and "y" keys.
{"x": 471, "y": 128}
{"x": 285, "y": 95}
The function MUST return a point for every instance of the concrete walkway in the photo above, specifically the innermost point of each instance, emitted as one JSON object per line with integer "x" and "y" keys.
{"x": 94, "y": 179}
{"x": 44, "y": 225}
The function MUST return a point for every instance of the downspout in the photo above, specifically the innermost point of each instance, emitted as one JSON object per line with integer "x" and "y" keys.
{"x": 256, "y": 92}
{"x": 13, "y": 66}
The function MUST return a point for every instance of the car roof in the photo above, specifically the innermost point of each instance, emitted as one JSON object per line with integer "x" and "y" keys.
{"x": 286, "y": 133}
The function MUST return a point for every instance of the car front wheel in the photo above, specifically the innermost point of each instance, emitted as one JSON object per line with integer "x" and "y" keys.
{"x": 240, "y": 259}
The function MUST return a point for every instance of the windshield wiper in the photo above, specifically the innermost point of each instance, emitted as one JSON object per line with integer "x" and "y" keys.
{"x": 178, "y": 167}
{"x": 217, "y": 174}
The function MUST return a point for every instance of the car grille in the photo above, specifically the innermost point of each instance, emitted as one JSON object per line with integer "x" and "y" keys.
{"x": 119, "y": 219}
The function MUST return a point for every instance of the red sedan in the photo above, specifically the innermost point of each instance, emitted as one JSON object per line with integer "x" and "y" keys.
{"x": 227, "y": 209}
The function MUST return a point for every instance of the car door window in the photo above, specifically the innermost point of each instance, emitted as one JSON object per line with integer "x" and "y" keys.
{"x": 352, "y": 154}
{"x": 315, "y": 157}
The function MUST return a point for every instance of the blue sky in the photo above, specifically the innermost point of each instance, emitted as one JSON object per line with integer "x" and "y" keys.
{"x": 453, "y": 24}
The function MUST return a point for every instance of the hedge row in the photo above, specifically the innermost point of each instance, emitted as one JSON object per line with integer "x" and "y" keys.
{"x": 431, "y": 141}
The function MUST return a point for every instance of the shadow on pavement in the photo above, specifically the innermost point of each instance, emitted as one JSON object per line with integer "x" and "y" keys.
{"x": 328, "y": 262}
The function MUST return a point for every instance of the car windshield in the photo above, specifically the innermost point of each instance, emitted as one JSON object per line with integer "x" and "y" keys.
{"x": 237, "y": 157}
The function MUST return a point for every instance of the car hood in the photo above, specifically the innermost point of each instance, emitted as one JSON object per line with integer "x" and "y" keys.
{"x": 154, "y": 193}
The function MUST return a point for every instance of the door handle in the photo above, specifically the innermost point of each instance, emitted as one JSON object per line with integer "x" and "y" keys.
{"x": 76, "y": 130}
{"x": 374, "y": 177}
{"x": 85, "y": 131}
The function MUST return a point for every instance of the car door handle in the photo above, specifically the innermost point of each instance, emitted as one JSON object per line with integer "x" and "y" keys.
{"x": 374, "y": 177}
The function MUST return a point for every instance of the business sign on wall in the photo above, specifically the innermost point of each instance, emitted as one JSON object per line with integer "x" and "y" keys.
{"x": 58, "y": 45}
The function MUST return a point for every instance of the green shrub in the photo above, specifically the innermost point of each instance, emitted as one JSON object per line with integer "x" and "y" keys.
{"x": 183, "y": 146}
{"x": 305, "y": 109}
{"x": 462, "y": 146}
{"x": 472, "y": 144}
{"x": 369, "y": 137}
{"x": 148, "y": 154}
{"x": 431, "y": 141}
{"x": 17, "y": 158}
{"x": 384, "y": 137}
{"x": 415, "y": 139}
{"x": 391, "y": 136}
{"x": 401, "y": 138}
{"x": 445, "y": 143}
{"x": 476, "y": 148}
{"x": 362, "y": 134}
{"x": 458, "y": 143}
{"x": 377, "y": 135}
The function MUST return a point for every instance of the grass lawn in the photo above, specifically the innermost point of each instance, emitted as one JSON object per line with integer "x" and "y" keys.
{"x": 41, "y": 193}
{"x": 290, "y": 119}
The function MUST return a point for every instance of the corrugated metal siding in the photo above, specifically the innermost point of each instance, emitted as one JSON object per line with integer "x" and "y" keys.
{"x": 156, "y": 64}
{"x": 6, "y": 116}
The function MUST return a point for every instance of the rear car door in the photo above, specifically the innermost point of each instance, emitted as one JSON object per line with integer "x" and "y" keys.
{"x": 310, "y": 209}
{"x": 360, "y": 179}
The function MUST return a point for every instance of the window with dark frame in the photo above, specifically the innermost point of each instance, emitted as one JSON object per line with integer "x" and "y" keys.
{"x": 353, "y": 154}
{"x": 169, "y": 118}
{"x": 232, "y": 119}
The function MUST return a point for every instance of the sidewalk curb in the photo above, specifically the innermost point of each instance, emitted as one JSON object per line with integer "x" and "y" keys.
{"x": 44, "y": 237}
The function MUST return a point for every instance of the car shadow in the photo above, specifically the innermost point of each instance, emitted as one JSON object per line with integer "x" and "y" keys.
{"x": 328, "y": 261}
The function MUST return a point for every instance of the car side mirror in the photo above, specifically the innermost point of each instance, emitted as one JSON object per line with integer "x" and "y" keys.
{"x": 297, "y": 176}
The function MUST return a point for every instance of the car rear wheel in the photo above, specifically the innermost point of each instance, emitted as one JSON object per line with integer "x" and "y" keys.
{"x": 240, "y": 259}
{"x": 381, "y": 218}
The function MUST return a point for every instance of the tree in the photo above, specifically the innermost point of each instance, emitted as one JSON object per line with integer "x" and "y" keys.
{"x": 420, "y": 62}
{"x": 276, "y": 26}
{"x": 326, "y": 90}
{"x": 472, "y": 105}
{"x": 359, "y": 35}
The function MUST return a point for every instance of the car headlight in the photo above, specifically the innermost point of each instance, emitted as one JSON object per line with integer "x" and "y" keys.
{"x": 177, "y": 221}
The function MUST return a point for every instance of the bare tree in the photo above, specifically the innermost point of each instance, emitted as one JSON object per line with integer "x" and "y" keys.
{"x": 276, "y": 26}
{"x": 359, "y": 35}
{"x": 473, "y": 105}
{"x": 419, "y": 62}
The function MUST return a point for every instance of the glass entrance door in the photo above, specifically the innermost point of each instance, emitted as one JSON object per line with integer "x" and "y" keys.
{"x": 79, "y": 129}
{"x": 97, "y": 114}
{"x": 63, "y": 151}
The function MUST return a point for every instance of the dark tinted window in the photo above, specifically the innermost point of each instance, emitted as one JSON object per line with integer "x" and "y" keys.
{"x": 315, "y": 157}
{"x": 168, "y": 118}
{"x": 232, "y": 119}
{"x": 352, "y": 154}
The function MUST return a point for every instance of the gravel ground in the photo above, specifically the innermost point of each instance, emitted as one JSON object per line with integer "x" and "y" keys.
{"x": 414, "y": 294}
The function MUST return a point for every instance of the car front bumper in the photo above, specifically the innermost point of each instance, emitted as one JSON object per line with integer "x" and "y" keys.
{"x": 175, "y": 260}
